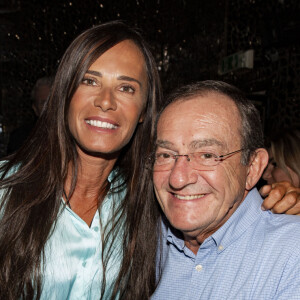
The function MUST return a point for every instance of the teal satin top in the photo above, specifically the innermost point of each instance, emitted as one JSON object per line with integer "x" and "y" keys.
{"x": 72, "y": 267}
{"x": 73, "y": 264}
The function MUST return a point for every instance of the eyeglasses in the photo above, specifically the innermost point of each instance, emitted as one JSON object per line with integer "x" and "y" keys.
{"x": 165, "y": 161}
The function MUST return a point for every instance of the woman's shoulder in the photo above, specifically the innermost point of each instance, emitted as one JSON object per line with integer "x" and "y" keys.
{"x": 5, "y": 167}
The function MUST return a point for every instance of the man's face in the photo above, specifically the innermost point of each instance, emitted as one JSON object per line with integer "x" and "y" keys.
{"x": 198, "y": 202}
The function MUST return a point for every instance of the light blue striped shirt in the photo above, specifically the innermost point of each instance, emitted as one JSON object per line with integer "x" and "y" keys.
{"x": 254, "y": 255}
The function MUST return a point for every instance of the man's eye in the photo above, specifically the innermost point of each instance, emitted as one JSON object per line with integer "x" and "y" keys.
{"x": 127, "y": 89}
{"x": 162, "y": 157}
{"x": 89, "y": 81}
{"x": 207, "y": 155}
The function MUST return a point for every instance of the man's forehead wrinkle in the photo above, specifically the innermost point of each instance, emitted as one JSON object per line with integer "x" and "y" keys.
{"x": 220, "y": 121}
{"x": 213, "y": 117}
{"x": 206, "y": 117}
{"x": 213, "y": 120}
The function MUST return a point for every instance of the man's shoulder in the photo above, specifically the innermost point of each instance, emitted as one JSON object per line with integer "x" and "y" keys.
{"x": 279, "y": 230}
{"x": 266, "y": 221}
{"x": 281, "y": 223}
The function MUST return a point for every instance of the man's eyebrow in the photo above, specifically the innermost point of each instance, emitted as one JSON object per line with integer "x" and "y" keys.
{"x": 163, "y": 144}
{"x": 122, "y": 77}
{"x": 206, "y": 142}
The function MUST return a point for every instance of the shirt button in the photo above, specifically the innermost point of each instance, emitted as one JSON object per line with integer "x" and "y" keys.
{"x": 198, "y": 268}
{"x": 221, "y": 248}
{"x": 96, "y": 229}
{"x": 84, "y": 264}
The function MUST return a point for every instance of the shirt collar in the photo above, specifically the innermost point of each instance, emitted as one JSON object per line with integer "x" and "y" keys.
{"x": 245, "y": 215}
{"x": 175, "y": 237}
{"x": 112, "y": 175}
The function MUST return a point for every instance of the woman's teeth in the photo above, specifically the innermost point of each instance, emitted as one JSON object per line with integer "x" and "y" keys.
{"x": 100, "y": 124}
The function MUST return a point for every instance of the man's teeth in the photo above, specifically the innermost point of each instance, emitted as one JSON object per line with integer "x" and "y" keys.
{"x": 191, "y": 197}
{"x": 100, "y": 124}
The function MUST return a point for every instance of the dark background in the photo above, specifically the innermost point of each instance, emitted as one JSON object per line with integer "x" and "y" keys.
{"x": 189, "y": 39}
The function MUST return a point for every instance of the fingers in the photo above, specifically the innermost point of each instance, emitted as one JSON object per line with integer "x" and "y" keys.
{"x": 265, "y": 190}
{"x": 273, "y": 193}
{"x": 281, "y": 197}
{"x": 288, "y": 203}
{"x": 295, "y": 210}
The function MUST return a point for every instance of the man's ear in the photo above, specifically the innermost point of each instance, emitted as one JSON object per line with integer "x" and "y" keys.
{"x": 257, "y": 165}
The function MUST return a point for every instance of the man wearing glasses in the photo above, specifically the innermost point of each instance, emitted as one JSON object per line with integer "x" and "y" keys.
{"x": 217, "y": 242}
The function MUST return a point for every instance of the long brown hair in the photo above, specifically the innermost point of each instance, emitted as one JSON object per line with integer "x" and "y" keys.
{"x": 32, "y": 180}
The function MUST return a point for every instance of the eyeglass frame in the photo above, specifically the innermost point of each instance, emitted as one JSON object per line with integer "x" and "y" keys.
{"x": 218, "y": 158}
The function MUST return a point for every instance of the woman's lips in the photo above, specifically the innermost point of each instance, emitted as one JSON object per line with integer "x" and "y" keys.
{"x": 101, "y": 124}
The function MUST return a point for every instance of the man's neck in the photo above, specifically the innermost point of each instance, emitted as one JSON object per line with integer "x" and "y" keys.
{"x": 194, "y": 239}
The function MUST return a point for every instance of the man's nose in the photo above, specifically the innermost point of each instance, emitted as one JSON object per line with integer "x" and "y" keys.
{"x": 106, "y": 100}
{"x": 182, "y": 174}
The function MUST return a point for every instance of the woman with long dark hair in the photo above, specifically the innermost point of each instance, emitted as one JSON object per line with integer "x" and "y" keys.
{"x": 73, "y": 213}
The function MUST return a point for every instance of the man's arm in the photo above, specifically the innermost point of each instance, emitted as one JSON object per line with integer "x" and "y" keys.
{"x": 281, "y": 197}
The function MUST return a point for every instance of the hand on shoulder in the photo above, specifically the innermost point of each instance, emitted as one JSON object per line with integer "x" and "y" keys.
{"x": 281, "y": 197}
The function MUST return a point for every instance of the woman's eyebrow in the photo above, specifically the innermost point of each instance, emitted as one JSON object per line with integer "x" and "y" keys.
{"x": 127, "y": 78}
{"x": 96, "y": 73}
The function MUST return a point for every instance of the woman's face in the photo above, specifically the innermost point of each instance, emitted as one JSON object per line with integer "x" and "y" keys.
{"x": 109, "y": 102}
{"x": 273, "y": 173}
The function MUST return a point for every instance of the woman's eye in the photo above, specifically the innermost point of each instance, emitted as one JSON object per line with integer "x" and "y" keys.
{"x": 274, "y": 164}
{"x": 127, "y": 89}
{"x": 89, "y": 81}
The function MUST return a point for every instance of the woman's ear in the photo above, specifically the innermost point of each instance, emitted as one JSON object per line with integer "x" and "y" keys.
{"x": 142, "y": 117}
{"x": 258, "y": 162}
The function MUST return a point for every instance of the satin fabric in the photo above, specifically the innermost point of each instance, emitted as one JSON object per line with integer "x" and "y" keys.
{"x": 72, "y": 261}
{"x": 73, "y": 264}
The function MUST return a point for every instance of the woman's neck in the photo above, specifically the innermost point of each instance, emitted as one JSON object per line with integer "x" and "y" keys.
{"x": 91, "y": 186}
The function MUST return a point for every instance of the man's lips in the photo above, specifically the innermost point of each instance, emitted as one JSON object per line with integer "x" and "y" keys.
{"x": 188, "y": 197}
{"x": 101, "y": 124}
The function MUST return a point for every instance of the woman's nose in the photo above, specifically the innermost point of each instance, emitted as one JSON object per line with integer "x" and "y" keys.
{"x": 106, "y": 100}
